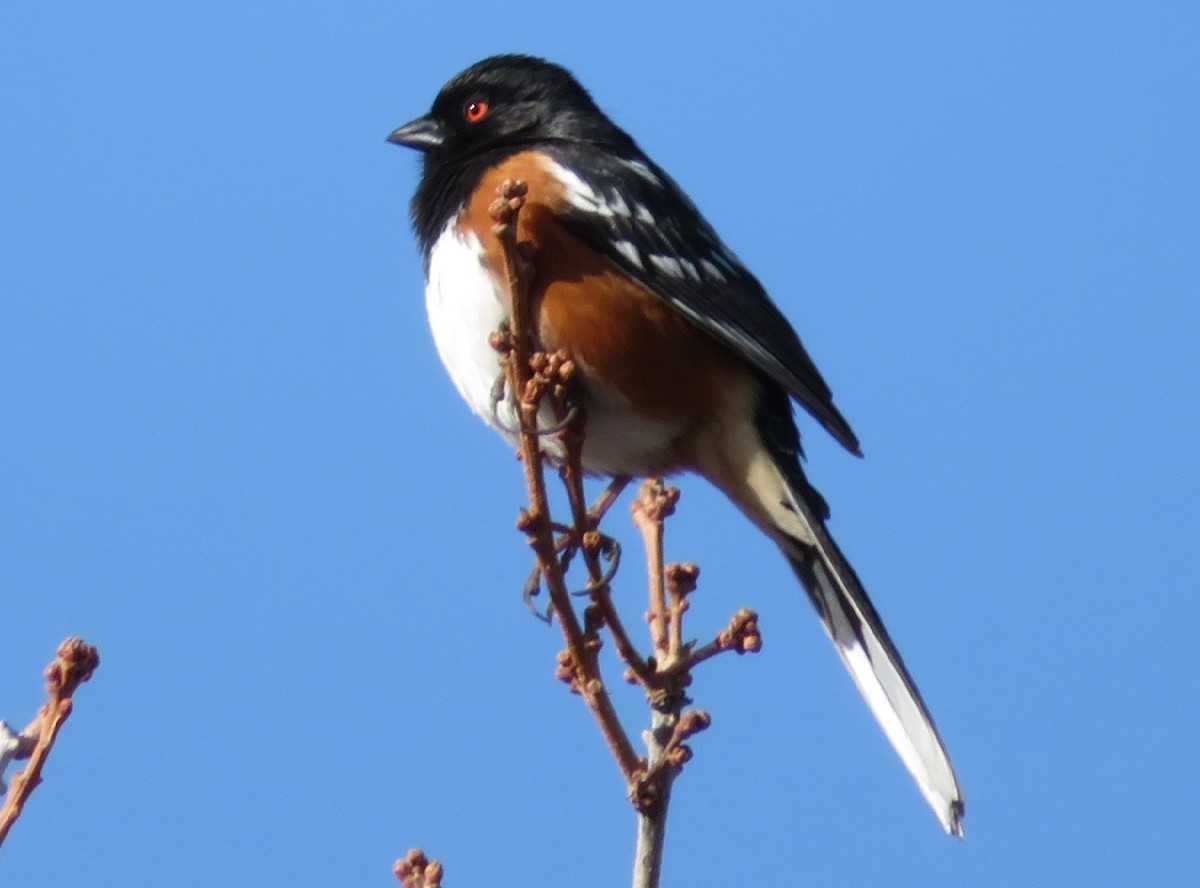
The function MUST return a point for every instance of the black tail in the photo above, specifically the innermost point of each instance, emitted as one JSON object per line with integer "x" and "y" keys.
{"x": 874, "y": 663}
{"x": 767, "y": 483}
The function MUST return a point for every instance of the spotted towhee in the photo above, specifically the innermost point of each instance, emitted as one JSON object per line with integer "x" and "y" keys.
{"x": 684, "y": 362}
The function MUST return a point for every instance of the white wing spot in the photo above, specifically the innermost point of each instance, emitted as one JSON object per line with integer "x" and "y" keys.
{"x": 576, "y": 191}
{"x": 668, "y": 265}
{"x": 642, "y": 214}
{"x": 582, "y": 196}
{"x": 629, "y": 251}
{"x": 690, "y": 270}
{"x": 711, "y": 270}
{"x": 644, "y": 171}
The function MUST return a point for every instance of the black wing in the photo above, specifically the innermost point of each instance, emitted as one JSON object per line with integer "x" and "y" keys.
{"x": 636, "y": 216}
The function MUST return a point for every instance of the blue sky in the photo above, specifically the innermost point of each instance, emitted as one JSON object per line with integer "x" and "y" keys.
{"x": 229, "y": 456}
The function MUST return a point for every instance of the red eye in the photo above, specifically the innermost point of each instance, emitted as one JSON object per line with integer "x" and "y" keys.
{"x": 475, "y": 111}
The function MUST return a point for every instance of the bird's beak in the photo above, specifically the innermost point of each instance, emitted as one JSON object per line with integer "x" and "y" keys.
{"x": 424, "y": 134}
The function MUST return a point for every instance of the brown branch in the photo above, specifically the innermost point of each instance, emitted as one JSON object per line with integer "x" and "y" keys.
{"x": 73, "y": 664}
{"x": 681, "y": 581}
{"x": 669, "y": 726}
{"x": 741, "y": 635}
{"x": 654, "y": 503}
{"x": 639, "y": 669}
{"x": 586, "y": 521}
{"x": 605, "y": 500}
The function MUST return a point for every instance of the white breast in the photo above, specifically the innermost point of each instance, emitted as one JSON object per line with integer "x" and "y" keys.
{"x": 463, "y": 299}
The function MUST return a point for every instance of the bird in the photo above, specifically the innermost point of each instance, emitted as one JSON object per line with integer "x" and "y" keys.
{"x": 683, "y": 362}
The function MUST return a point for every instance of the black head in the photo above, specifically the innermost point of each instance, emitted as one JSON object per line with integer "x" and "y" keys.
{"x": 495, "y": 108}
{"x": 503, "y": 104}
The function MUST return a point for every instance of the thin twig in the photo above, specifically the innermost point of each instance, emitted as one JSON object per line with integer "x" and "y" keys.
{"x": 653, "y": 504}
{"x": 666, "y": 753}
{"x": 607, "y": 497}
{"x": 741, "y": 635}
{"x": 586, "y": 520}
{"x": 73, "y": 664}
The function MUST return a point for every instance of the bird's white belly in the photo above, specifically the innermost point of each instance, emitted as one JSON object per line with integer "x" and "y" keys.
{"x": 465, "y": 302}
{"x": 465, "y": 306}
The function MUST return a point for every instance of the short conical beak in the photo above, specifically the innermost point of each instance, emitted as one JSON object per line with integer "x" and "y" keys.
{"x": 424, "y": 133}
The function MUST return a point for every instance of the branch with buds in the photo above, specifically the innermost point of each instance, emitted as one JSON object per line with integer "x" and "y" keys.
{"x": 74, "y": 663}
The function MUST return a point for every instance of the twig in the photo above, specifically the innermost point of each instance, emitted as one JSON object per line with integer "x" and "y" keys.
{"x": 669, "y": 725}
{"x": 587, "y": 520}
{"x": 73, "y": 664}
{"x": 655, "y": 502}
{"x": 681, "y": 582}
{"x": 607, "y": 497}
{"x": 740, "y": 635}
